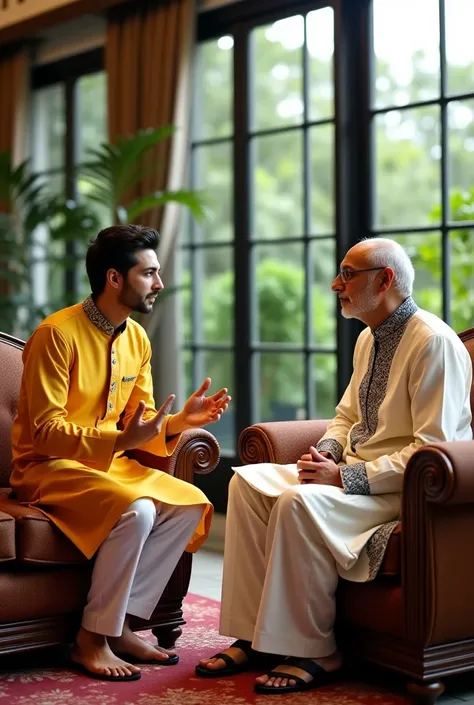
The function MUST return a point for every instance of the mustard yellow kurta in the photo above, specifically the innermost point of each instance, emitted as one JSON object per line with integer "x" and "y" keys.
{"x": 79, "y": 380}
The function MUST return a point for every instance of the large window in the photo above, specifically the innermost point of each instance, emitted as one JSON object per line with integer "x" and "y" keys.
{"x": 423, "y": 137}
{"x": 316, "y": 125}
{"x": 68, "y": 116}
{"x": 260, "y": 316}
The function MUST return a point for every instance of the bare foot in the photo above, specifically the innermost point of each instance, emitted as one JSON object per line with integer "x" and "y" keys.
{"x": 329, "y": 663}
{"x": 93, "y": 653}
{"x": 133, "y": 645}
{"x": 216, "y": 664}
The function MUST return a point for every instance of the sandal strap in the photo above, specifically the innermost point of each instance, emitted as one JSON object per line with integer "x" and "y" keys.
{"x": 246, "y": 647}
{"x": 228, "y": 660}
{"x": 308, "y": 665}
{"x": 288, "y": 676}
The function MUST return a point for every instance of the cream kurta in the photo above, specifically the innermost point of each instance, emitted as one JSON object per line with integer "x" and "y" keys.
{"x": 410, "y": 387}
{"x": 79, "y": 382}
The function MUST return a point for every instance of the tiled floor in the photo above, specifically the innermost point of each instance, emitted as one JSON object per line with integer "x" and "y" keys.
{"x": 206, "y": 580}
{"x": 206, "y": 577}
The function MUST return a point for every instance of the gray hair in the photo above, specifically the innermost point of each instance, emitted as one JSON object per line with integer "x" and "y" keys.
{"x": 388, "y": 253}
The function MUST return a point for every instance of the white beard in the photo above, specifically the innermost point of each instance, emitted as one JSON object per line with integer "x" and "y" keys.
{"x": 361, "y": 303}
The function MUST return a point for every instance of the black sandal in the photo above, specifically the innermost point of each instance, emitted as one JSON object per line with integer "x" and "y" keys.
{"x": 320, "y": 677}
{"x": 253, "y": 657}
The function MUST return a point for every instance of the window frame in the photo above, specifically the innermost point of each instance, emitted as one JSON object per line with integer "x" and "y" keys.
{"x": 68, "y": 72}
{"x": 351, "y": 158}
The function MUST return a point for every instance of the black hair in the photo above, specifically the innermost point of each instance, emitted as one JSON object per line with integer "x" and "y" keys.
{"x": 115, "y": 248}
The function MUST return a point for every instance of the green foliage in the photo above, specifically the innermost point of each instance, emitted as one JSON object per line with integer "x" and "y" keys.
{"x": 28, "y": 204}
{"x": 112, "y": 171}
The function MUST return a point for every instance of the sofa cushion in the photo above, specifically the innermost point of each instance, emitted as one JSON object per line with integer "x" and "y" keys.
{"x": 38, "y": 541}
{"x": 7, "y": 538}
{"x": 392, "y": 561}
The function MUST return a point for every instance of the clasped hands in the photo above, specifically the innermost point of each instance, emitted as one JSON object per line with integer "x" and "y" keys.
{"x": 199, "y": 410}
{"x": 318, "y": 469}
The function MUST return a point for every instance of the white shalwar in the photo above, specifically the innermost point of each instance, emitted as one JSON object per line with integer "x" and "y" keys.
{"x": 286, "y": 543}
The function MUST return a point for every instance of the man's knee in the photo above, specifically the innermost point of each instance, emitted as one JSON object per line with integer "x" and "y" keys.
{"x": 142, "y": 514}
{"x": 290, "y": 500}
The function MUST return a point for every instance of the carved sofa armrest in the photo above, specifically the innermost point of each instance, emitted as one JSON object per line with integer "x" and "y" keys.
{"x": 197, "y": 451}
{"x": 437, "y": 538}
{"x": 279, "y": 441}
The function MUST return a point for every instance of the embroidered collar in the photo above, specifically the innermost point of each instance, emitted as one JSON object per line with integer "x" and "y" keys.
{"x": 98, "y": 319}
{"x": 399, "y": 318}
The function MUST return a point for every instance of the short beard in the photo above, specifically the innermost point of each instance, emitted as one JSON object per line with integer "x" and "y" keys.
{"x": 361, "y": 303}
{"x": 129, "y": 298}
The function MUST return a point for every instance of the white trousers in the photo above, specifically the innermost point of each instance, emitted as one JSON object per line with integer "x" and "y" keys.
{"x": 279, "y": 577}
{"x": 135, "y": 562}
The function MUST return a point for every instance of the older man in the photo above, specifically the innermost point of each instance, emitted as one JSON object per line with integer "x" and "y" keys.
{"x": 292, "y": 530}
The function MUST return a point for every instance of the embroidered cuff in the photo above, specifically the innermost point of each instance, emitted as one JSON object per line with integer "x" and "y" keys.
{"x": 354, "y": 479}
{"x": 330, "y": 445}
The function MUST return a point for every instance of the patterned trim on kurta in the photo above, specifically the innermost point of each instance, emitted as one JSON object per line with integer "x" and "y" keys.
{"x": 330, "y": 445}
{"x": 377, "y": 545}
{"x": 354, "y": 478}
{"x": 96, "y": 317}
{"x": 374, "y": 384}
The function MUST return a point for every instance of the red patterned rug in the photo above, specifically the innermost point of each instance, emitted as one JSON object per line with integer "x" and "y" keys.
{"x": 41, "y": 681}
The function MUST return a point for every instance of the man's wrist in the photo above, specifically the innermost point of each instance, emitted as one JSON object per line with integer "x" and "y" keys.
{"x": 120, "y": 442}
{"x": 176, "y": 425}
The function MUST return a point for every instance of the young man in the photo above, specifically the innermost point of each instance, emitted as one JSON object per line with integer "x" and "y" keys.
{"x": 86, "y": 398}
{"x": 292, "y": 530}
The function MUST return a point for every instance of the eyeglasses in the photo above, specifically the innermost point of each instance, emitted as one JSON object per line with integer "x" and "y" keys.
{"x": 347, "y": 274}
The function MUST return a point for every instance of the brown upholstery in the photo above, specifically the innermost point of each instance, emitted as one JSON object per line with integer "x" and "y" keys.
{"x": 7, "y": 538}
{"x": 44, "y": 578}
{"x": 417, "y": 616}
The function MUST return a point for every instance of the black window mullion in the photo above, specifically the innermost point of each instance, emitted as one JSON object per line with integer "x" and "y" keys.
{"x": 244, "y": 298}
{"x": 445, "y": 206}
{"x": 71, "y": 278}
{"x": 353, "y": 151}
{"x": 308, "y": 317}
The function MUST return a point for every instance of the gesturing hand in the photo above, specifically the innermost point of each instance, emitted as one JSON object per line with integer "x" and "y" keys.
{"x": 200, "y": 410}
{"x": 138, "y": 432}
{"x": 318, "y": 469}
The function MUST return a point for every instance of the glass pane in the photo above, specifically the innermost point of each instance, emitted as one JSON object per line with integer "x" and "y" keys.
{"x": 213, "y": 104}
{"x": 92, "y": 112}
{"x": 277, "y": 73}
{"x": 216, "y": 268}
{"x": 279, "y": 283}
{"x": 321, "y": 145}
{"x": 213, "y": 169}
{"x": 424, "y": 251}
{"x": 219, "y": 366}
{"x": 459, "y": 16}
{"x": 281, "y": 387}
{"x": 462, "y": 279}
{"x": 406, "y": 44}
{"x": 85, "y": 189}
{"x": 49, "y": 127}
{"x": 278, "y": 185}
{"x": 185, "y": 296}
{"x": 408, "y": 174}
{"x": 187, "y": 364}
{"x": 47, "y": 256}
{"x": 323, "y": 300}
{"x": 461, "y": 154}
{"x": 320, "y": 45}
{"x": 324, "y": 385}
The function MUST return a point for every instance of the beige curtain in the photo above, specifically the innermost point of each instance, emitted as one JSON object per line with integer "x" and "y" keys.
{"x": 14, "y": 81}
{"x": 149, "y": 53}
{"x": 14, "y": 89}
{"x": 149, "y": 56}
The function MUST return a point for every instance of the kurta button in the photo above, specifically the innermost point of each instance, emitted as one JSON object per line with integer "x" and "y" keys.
{"x": 110, "y": 405}
{"x": 113, "y": 352}
{"x": 114, "y": 361}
